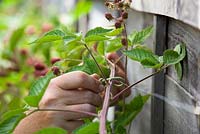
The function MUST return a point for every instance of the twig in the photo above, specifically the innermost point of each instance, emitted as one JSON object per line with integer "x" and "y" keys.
{"x": 104, "y": 77}
{"x": 126, "y": 61}
{"x": 103, "y": 114}
{"x": 126, "y": 47}
{"x": 125, "y": 89}
{"x": 61, "y": 110}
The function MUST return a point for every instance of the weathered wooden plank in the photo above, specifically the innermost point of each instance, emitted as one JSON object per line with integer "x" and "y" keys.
{"x": 179, "y": 32}
{"x": 179, "y": 116}
{"x": 157, "y": 113}
{"x": 184, "y": 10}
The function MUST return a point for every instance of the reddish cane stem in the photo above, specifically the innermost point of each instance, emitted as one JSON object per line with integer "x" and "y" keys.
{"x": 103, "y": 114}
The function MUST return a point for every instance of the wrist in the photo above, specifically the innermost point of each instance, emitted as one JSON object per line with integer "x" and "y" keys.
{"x": 33, "y": 123}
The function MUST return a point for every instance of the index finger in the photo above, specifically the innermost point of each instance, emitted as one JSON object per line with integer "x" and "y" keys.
{"x": 77, "y": 79}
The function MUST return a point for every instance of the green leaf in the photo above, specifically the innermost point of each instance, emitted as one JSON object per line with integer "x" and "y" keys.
{"x": 101, "y": 48}
{"x": 97, "y": 31}
{"x": 15, "y": 38}
{"x": 72, "y": 39}
{"x": 115, "y": 32}
{"x": 88, "y": 128}
{"x": 178, "y": 48}
{"x": 172, "y": 57}
{"x": 33, "y": 100}
{"x": 14, "y": 103}
{"x": 149, "y": 63}
{"x": 52, "y": 130}
{"x": 131, "y": 111}
{"x": 143, "y": 55}
{"x": 82, "y": 8}
{"x": 179, "y": 70}
{"x": 113, "y": 45}
{"x": 141, "y": 36}
{"x": 120, "y": 130}
{"x": 48, "y": 38}
{"x": 37, "y": 90}
{"x": 9, "y": 124}
{"x": 55, "y": 35}
{"x": 95, "y": 38}
{"x": 12, "y": 113}
{"x": 89, "y": 66}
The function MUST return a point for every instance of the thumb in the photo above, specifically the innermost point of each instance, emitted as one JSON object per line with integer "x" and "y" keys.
{"x": 96, "y": 76}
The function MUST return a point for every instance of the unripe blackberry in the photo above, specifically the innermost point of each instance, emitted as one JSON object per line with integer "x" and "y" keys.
{"x": 24, "y": 52}
{"x": 39, "y": 66}
{"x": 108, "y": 16}
{"x": 118, "y": 24}
{"x": 124, "y": 15}
{"x": 107, "y": 4}
{"x": 39, "y": 73}
{"x": 120, "y": 4}
{"x": 55, "y": 70}
{"x": 124, "y": 41}
{"x": 54, "y": 60}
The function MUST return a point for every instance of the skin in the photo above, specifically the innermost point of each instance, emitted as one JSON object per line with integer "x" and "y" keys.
{"x": 71, "y": 91}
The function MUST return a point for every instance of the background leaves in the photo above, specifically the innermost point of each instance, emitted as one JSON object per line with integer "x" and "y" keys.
{"x": 37, "y": 90}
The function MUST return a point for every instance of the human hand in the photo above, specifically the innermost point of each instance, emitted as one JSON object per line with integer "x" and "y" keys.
{"x": 74, "y": 91}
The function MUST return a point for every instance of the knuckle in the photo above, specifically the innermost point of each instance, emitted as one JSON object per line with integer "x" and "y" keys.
{"x": 81, "y": 76}
{"x": 47, "y": 102}
{"x": 89, "y": 107}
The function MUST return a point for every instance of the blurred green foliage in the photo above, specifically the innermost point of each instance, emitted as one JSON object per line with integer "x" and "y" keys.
{"x": 21, "y": 22}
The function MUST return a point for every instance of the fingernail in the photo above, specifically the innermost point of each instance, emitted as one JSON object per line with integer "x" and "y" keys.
{"x": 101, "y": 87}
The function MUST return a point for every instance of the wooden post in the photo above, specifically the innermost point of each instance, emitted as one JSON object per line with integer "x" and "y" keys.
{"x": 157, "y": 105}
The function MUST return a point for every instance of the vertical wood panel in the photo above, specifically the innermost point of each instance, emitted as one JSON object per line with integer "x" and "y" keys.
{"x": 157, "y": 111}
{"x": 187, "y": 90}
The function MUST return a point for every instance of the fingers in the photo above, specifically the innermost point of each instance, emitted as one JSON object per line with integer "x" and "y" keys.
{"x": 58, "y": 115}
{"x": 69, "y": 97}
{"x": 114, "y": 58}
{"x": 82, "y": 97}
{"x": 77, "y": 79}
{"x": 95, "y": 76}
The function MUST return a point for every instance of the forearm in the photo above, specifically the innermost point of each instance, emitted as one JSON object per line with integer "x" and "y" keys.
{"x": 33, "y": 123}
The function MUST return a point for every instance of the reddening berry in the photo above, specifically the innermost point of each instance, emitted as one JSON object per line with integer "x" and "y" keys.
{"x": 30, "y": 30}
{"x": 24, "y": 52}
{"x": 107, "y": 4}
{"x": 118, "y": 24}
{"x": 54, "y": 60}
{"x": 108, "y": 16}
{"x": 39, "y": 66}
{"x": 124, "y": 15}
{"x": 55, "y": 70}
{"x": 124, "y": 41}
{"x": 46, "y": 27}
{"x": 39, "y": 73}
